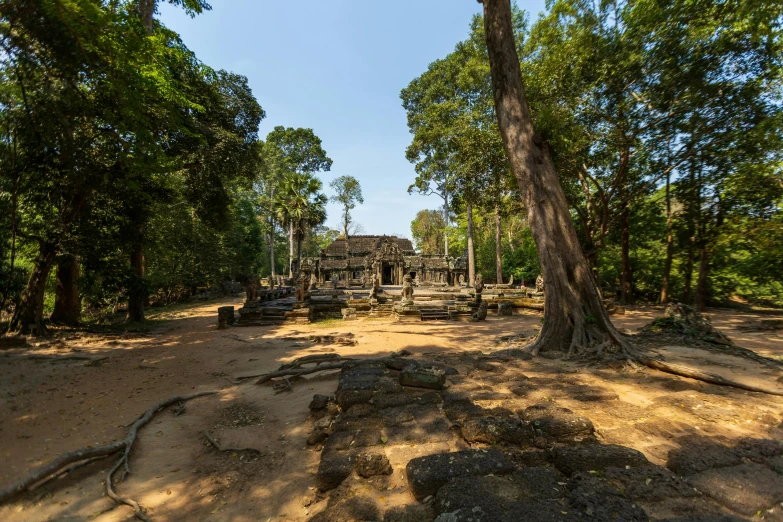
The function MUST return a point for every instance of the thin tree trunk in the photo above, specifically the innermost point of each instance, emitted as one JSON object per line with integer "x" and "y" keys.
{"x": 471, "y": 253}
{"x": 345, "y": 224}
{"x": 28, "y": 315}
{"x": 14, "y": 208}
{"x": 299, "y": 238}
{"x": 574, "y": 316}
{"x": 137, "y": 293}
{"x": 272, "y": 247}
{"x": 688, "y": 276}
{"x": 67, "y": 305}
{"x": 626, "y": 296}
{"x": 498, "y": 249}
{"x": 667, "y": 267}
{"x": 146, "y": 10}
{"x": 290, "y": 250}
{"x": 446, "y": 220}
{"x": 701, "y": 283}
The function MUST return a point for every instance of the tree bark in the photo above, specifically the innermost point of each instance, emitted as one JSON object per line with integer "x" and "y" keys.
{"x": 28, "y": 315}
{"x": 626, "y": 282}
{"x": 686, "y": 294}
{"x": 67, "y": 305}
{"x": 290, "y": 249}
{"x": 345, "y": 224}
{"x": 701, "y": 282}
{"x": 498, "y": 249}
{"x": 272, "y": 246}
{"x": 471, "y": 253}
{"x": 146, "y": 10}
{"x": 446, "y": 220}
{"x": 137, "y": 293}
{"x": 667, "y": 267}
{"x": 574, "y": 316}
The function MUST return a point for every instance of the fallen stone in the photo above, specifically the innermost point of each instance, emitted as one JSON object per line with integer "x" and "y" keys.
{"x": 367, "y": 437}
{"x": 432, "y": 430}
{"x": 334, "y": 468}
{"x": 372, "y": 464}
{"x": 494, "y": 499}
{"x": 746, "y": 488}
{"x": 540, "y": 482}
{"x": 348, "y": 398}
{"x": 391, "y": 400}
{"x": 427, "y": 474}
{"x": 649, "y": 483}
{"x": 320, "y": 402}
{"x": 316, "y": 437}
{"x": 431, "y": 378}
{"x": 493, "y": 430}
{"x": 776, "y": 463}
{"x": 561, "y": 424}
{"x": 358, "y": 411}
{"x": 596, "y": 457}
{"x": 601, "y": 501}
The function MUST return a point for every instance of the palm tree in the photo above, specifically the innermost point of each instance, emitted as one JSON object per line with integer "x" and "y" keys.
{"x": 300, "y": 205}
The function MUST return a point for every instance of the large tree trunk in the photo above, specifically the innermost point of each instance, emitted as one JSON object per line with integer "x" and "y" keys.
{"x": 574, "y": 316}
{"x": 498, "y": 249}
{"x": 28, "y": 315}
{"x": 471, "y": 253}
{"x": 626, "y": 282}
{"x": 137, "y": 292}
{"x": 67, "y": 305}
{"x": 667, "y": 267}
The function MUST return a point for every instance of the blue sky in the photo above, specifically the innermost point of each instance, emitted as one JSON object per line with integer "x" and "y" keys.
{"x": 338, "y": 67}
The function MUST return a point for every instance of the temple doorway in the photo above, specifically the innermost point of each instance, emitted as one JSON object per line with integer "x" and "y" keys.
{"x": 388, "y": 277}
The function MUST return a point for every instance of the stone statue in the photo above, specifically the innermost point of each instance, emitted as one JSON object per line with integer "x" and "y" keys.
{"x": 479, "y": 287}
{"x": 511, "y": 279}
{"x": 335, "y": 280}
{"x": 301, "y": 288}
{"x": 481, "y": 312}
{"x": 461, "y": 280}
{"x": 313, "y": 281}
{"x": 364, "y": 280}
{"x": 407, "y": 291}
{"x": 540, "y": 283}
{"x": 252, "y": 291}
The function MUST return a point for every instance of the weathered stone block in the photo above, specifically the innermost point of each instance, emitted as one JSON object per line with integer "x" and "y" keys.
{"x": 427, "y": 474}
{"x": 372, "y": 464}
{"x": 493, "y": 430}
{"x": 320, "y": 402}
{"x": 746, "y": 488}
{"x": 596, "y": 457}
{"x": 558, "y": 423}
{"x": 334, "y": 468}
{"x": 432, "y": 378}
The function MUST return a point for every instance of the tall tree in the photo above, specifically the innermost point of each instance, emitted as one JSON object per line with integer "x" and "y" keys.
{"x": 427, "y": 230}
{"x": 574, "y": 315}
{"x": 293, "y": 151}
{"x": 302, "y": 207}
{"x": 348, "y": 193}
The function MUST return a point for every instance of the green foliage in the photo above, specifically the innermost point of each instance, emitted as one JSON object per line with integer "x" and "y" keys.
{"x": 427, "y": 230}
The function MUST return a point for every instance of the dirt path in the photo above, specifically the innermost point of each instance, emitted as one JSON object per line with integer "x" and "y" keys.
{"x": 49, "y": 407}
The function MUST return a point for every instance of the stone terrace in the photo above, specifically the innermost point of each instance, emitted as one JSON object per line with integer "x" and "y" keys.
{"x": 473, "y": 452}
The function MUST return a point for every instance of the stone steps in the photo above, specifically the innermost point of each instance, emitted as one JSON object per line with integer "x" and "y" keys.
{"x": 434, "y": 313}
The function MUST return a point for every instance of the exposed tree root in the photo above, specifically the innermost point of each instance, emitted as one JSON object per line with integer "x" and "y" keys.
{"x": 692, "y": 373}
{"x": 55, "y": 467}
{"x": 58, "y": 358}
{"x": 323, "y": 362}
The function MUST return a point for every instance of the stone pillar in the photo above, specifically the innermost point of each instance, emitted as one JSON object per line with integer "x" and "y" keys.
{"x": 225, "y": 317}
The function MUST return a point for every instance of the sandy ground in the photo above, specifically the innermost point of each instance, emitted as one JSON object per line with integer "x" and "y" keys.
{"x": 48, "y": 407}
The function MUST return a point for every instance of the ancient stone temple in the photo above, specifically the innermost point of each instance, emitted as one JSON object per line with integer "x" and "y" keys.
{"x": 390, "y": 258}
